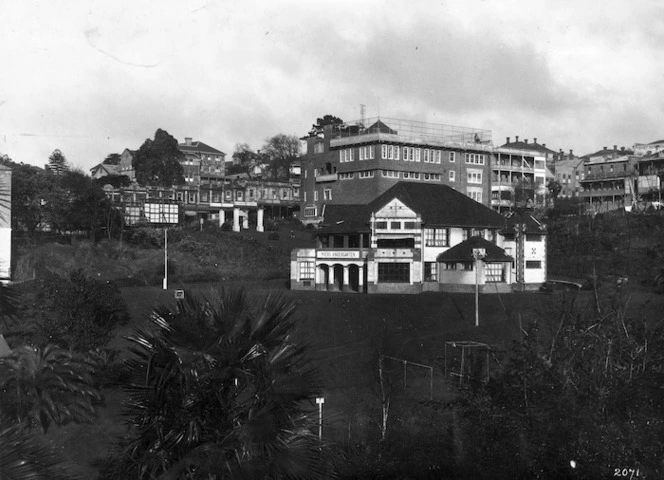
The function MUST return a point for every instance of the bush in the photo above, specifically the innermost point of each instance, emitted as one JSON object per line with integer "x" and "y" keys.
{"x": 146, "y": 237}
{"x": 79, "y": 312}
{"x": 273, "y": 236}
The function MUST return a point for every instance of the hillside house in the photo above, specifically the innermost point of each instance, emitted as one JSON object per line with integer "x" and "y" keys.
{"x": 421, "y": 237}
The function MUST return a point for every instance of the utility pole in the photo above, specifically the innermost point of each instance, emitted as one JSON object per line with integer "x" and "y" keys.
{"x": 320, "y": 401}
{"x": 478, "y": 254}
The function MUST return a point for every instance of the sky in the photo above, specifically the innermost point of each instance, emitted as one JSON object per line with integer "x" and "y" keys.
{"x": 95, "y": 77}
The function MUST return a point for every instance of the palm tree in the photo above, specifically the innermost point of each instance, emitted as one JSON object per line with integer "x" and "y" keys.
{"x": 46, "y": 386}
{"x": 220, "y": 390}
{"x": 23, "y": 456}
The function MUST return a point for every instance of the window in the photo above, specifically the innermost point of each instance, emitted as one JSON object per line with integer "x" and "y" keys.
{"x": 533, "y": 237}
{"x": 409, "y": 225}
{"x": 390, "y": 174}
{"x": 381, "y": 225}
{"x": 394, "y": 273}
{"x": 396, "y": 152}
{"x": 309, "y": 211}
{"x": 468, "y": 265}
{"x": 370, "y": 151}
{"x": 450, "y": 266}
{"x": 307, "y": 270}
{"x": 430, "y": 272}
{"x": 431, "y": 176}
{"x": 475, "y": 158}
{"x": 351, "y": 155}
{"x": 417, "y": 154}
{"x": 383, "y": 151}
{"x": 361, "y": 153}
{"x": 533, "y": 264}
{"x": 436, "y": 237}
{"x": 452, "y": 176}
{"x": 475, "y": 193}
{"x": 436, "y": 156}
{"x": 305, "y": 196}
{"x": 452, "y": 157}
{"x": 411, "y": 175}
{"x": 367, "y": 174}
{"x": 425, "y": 155}
{"x": 395, "y": 225}
{"x": 474, "y": 176}
{"x": 495, "y": 272}
{"x": 406, "y": 152}
{"x": 327, "y": 194}
{"x": 315, "y": 196}
{"x": 346, "y": 176}
{"x": 411, "y": 154}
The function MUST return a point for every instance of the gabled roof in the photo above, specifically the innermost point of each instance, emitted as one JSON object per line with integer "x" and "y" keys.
{"x": 110, "y": 169}
{"x": 463, "y": 252}
{"x": 198, "y": 147}
{"x": 440, "y": 205}
{"x": 346, "y": 218}
{"x": 656, "y": 142}
{"x": 380, "y": 127}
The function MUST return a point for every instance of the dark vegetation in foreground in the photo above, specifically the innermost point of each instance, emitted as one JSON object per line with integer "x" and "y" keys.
{"x": 574, "y": 376}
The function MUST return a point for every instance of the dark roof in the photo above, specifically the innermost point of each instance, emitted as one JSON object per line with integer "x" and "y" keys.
{"x": 463, "y": 252}
{"x": 656, "y": 142}
{"x": 440, "y": 205}
{"x": 380, "y": 127}
{"x": 198, "y": 147}
{"x": 528, "y": 146}
{"x": 609, "y": 151}
{"x": 346, "y": 218}
{"x": 532, "y": 225}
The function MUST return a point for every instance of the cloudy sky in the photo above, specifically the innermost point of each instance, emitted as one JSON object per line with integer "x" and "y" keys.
{"x": 95, "y": 77}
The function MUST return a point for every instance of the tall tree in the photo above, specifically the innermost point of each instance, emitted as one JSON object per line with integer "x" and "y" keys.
{"x": 158, "y": 161}
{"x": 281, "y": 150}
{"x": 218, "y": 391}
{"x": 30, "y": 187}
{"x": 112, "y": 159}
{"x": 57, "y": 163}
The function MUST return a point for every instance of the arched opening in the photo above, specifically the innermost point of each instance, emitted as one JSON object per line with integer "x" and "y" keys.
{"x": 338, "y": 277}
{"x": 354, "y": 278}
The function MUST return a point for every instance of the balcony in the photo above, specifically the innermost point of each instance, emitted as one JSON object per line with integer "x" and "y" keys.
{"x": 328, "y": 177}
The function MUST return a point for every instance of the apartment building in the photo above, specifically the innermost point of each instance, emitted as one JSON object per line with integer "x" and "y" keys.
{"x": 418, "y": 237}
{"x": 356, "y": 162}
{"x": 611, "y": 180}
{"x": 202, "y": 163}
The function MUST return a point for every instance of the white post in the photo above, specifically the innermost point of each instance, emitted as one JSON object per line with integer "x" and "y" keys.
{"x": 222, "y": 217}
{"x": 236, "y": 219}
{"x": 245, "y": 220}
{"x": 165, "y": 284}
{"x": 478, "y": 254}
{"x": 259, "y": 220}
{"x": 320, "y": 401}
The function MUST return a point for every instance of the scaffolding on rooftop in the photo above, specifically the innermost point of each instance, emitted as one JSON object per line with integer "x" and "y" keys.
{"x": 408, "y": 128}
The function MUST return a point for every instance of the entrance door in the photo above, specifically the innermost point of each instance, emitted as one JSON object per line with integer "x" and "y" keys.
{"x": 339, "y": 277}
{"x": 354, "y": 278}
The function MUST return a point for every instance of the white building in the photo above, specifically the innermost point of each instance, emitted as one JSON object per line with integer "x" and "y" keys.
{"x": 5, "y": 223}
{"x": 417, "y": 237}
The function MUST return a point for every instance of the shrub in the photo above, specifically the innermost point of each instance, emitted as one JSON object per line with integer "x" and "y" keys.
{"x": 273, "y": 236}
{"x": 79, "y": 312}
{"x": 146, "y": 237}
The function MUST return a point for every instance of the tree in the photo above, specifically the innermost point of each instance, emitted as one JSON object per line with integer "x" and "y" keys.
{"x": 554, "y": 187}
{"x": 46, "y": 386}
{"x": 30, "y": 186}
{"x": 218, "y": 391}
{"x": 112, "y": 159}
{"x": 158, "y": 161}
{"x": 281, "y": 150}
{"x": 57, "y": 163}
{"x": 318, "y": 127}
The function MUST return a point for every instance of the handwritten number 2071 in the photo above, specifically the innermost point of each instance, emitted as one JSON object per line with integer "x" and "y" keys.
{"x": 626, "y": 472}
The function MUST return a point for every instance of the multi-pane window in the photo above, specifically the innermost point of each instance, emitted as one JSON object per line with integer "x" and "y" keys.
{"x": 390, "y": 152}
{"x": 383, "y": 151}
{"x": 346, "y": 176}
{"x": 409, "y": 225}
{"x": 425, "y": 156}
{"x": 495, "y": 272}
{"x": 436, "y": 237}
{"x": 411, "y": 175}
{"x": 395, "y": 225}
{"x": 430, "y": 272}
{"x": 452, "y": 157}
{"x": 533, "y": 264}
{"x": 397, "y": 151}
{"x": 309, "y": 211}
{"x": 390, "y": 174}
{"x": 474, "y": 176}
{"x": 431, "y": 176}
{"x": 417, "y": 154}
{"x": 382, "y": 225}
{"x": 436, "y": 156}
{"x": 394, "y": 272}
{"x": 307, "y": 270}
{"x": 450, "y": 266}
{"x": 475, "y": 195}
{"x": 406, "y": 152}
{"x": 367, "y": 174}
{"x": 467, "y": 265}
{"x": 327, "y": 194}
{"x": 475, "y": 158}
{"x": 315, "y": 196}
{"x": 452, "y": 176}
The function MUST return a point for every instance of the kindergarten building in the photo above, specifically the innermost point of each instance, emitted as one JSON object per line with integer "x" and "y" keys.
{"x": 419, "y": 237}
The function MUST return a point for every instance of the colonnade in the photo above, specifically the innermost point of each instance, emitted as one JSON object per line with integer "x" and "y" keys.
{"x": 243, "y": 214}
{"x": 341, "y": 277}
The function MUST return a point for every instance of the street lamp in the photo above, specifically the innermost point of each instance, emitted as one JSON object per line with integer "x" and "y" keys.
{"x": 320, "y": 401}
{"x": 478, "y": 254}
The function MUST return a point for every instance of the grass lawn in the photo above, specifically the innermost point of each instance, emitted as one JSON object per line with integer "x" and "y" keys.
{"x": 346, "y": 333}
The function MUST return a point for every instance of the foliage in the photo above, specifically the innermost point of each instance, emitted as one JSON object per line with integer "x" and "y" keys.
{"x": 146, "y": 237}
{"x": 79, "y": 312}
{"x": 317, "y": 128}
{"x": 217, "y": 391}
{"x": 112, "y": 159}
{"x": 554, "y": 187}
{"x": 46, "y": 386}
{"x": 582, "y": 386}
{"x": 57, "y": 163}
{"x": 9, "y": 306}
{"x": 158, "y": 161}
{"x": 30, "y": 185}
{"x": 24, "y": 456}
{"x": 281, "y": 150}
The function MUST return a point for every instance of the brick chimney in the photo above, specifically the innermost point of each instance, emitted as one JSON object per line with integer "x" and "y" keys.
{"x": 622, "y": 149}
{"x": 535, "y": 140}
{"x": 187, "y": 141}
{"x": 571, "y": 153}
{"x": 517, "y": 138}
{"x": 605, "y": 148}
{"x": 544, "y": 144}
{"x": 508, "y": 140}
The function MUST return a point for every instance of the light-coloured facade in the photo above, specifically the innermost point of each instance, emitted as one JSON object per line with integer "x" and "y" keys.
{"x": 5, "y": 223}
{"x": 406, "y": 242}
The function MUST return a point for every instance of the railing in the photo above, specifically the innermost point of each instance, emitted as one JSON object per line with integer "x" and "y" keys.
{"x": 330, "y": 177}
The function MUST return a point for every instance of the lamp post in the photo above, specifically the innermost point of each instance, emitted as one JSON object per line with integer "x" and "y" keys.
{"x": 320, "y": 401}
{"x": 165, "y": 284}
{"x": 478, "y": 254}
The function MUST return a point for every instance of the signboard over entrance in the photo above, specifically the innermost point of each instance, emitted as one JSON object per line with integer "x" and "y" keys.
{"x": 338, "y": 254}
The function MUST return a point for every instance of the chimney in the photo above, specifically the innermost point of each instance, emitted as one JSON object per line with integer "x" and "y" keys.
{"x": 535, "y": 140}
{"x": 544, "y": 144}
{"x": 615, "y": 147}
{"x": 517, "y": 138}
{"x": 605, "y": 148}
{"x": 622, "y": 149}
{"x": 187, "y": 141}
{"x": 508, "y": 140}
{"x": 525, "y": 140}
{"x": 571, "y": 153}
